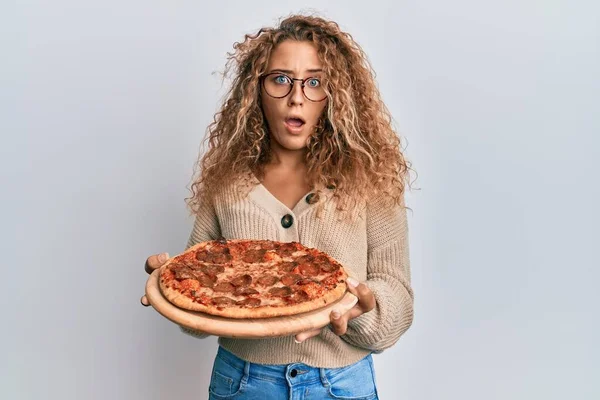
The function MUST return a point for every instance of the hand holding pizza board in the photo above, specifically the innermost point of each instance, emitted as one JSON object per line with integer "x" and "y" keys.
{"x": 249, "y": 289}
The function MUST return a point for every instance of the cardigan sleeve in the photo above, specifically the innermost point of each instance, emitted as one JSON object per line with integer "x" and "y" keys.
{"x": 388, "y": 277}
{"x": 206, "y": 227}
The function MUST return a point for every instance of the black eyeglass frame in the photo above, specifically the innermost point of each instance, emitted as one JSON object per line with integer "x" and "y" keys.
{"x": 291, "y": 85}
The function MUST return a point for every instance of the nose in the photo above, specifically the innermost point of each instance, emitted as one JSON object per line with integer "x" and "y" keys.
{"x": 296, "y": 96}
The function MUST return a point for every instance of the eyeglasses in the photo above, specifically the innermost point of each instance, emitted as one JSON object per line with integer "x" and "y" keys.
{"x": 279, "y": 85}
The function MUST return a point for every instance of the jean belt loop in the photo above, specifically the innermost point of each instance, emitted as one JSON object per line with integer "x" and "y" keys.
{"x": 324, "y": 380}
{"x": 246, "y": 372}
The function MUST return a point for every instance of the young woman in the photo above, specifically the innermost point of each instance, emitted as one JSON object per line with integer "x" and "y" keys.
{"x": 303, "y": 150}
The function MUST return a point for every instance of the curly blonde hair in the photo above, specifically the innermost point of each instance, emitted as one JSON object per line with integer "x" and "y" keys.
{"x": 354, "y": 148}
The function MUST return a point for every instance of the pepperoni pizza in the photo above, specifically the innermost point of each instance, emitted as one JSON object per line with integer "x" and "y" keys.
{"x": 252, "y": 278}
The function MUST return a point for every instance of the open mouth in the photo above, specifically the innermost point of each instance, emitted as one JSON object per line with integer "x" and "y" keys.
{"x": 295, "y": 122}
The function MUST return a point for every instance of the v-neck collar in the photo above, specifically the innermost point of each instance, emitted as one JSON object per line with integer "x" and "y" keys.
{"x": 276, "y": 203}
{"x": 271, "y": 204}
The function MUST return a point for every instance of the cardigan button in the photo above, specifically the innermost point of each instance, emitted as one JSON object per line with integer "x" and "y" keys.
{"x": 287, "y": 221}
{"x": 312, "y": 198}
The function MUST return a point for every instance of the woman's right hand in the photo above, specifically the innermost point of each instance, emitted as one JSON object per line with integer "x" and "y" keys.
{"x": 152, "y": 263}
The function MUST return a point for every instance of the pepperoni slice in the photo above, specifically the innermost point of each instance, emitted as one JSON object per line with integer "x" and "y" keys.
{"x": 280, "y": 291}
{"x": 223, "y": 301}
{"x": 206, "y": 280}
{"x": 298, "y": 297}
{"x": 184, "y": 273}
{"x": 321, "y": 259}
{"x": 290, "y": 279}
{"x": 254, "y": 256}
{"x": 288, "y": 266}
{"x": 202, "y": 255}
{"x": 243, "y": 281}
{"x": 221, "y": 258}
{"x": 241, "y": 291}
{"x": 191, "y": 264}
{"x": 268, "y": 245}
{"x": 306, "y": 281}
{"x": 287, "y": 249}
{"x": 309, "y": 269}
{"x": 251, "y": 302}
{"x": 286, "y": 252}
{"x": 267, "y": 280}
{"x": 305, "y": 259}
{"x": 216, "y": 255}
{"x": 225, "y": 287}
{"x": 329, "y": 267}
{"x": 212, "y": 269}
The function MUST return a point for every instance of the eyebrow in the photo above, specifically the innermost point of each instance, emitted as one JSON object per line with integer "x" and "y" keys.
{"x": 287, "y": 71}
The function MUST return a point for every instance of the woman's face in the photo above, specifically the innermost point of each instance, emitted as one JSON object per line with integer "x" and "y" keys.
{"x": 296, "y": 60}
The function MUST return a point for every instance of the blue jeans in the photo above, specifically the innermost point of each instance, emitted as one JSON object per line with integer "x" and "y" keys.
{"x": 234, "y": 378}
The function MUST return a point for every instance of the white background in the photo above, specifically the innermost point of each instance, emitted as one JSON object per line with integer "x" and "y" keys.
{"x": 104, "y": 105}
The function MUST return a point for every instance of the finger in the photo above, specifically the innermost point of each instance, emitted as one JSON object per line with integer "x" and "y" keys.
{"x": 155, "y": 261}
{"x": 302, "y": 336}
{"x": 366, "y": 298}
{"x": 354, "y": 312}
{"x": 339, "y": 322}
{"x": 144, "y": 301}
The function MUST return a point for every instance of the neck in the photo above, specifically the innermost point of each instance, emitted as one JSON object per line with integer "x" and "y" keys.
{"x": 288, "y": 159}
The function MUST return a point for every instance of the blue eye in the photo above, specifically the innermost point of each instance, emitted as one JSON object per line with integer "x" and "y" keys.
{"x": 313, "y": 82}
{"x": 281, "y": 79}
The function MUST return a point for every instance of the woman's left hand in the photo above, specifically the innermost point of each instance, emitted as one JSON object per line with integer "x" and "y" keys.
{"x": 339, "y": 322}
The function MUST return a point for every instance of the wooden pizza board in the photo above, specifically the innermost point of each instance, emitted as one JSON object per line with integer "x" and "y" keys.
{"x": 243, "y": 328}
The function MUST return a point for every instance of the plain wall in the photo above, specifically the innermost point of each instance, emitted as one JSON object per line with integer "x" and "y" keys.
{"x": 103, "y": 108}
